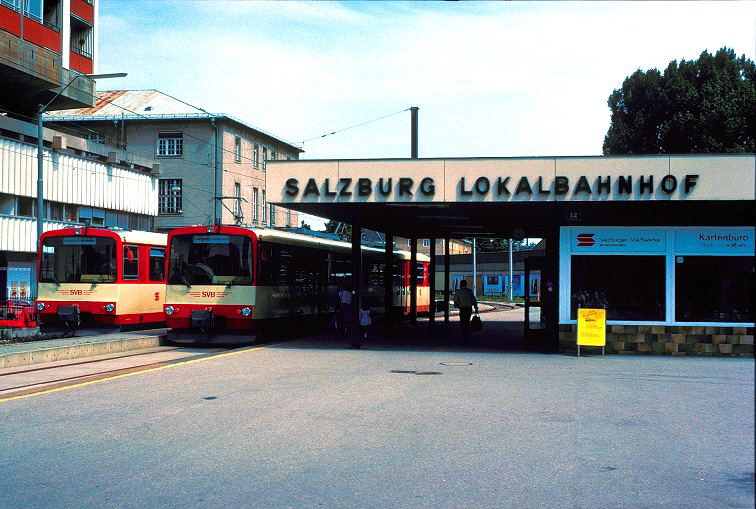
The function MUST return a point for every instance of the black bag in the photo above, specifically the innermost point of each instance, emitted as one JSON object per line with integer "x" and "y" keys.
{"x": 476, "y": 324}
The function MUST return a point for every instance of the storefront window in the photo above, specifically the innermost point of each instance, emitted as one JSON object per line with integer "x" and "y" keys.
{"x": 714, "y": 288}
{"x": 628, "y": 287}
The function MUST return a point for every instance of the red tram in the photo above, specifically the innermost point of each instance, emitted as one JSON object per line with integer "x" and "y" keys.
{"x": 94, "y": 280}
{"x": 226, "y": 283}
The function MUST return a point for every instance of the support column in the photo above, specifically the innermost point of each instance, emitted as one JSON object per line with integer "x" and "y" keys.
{"x": 388, "y": 286}
{"x": 432, "y": 283}
{"x": 413, "y": 283}
{"x": 356, "y": 284}
{"x": 447, "y": 278}
{"x": 550, "y": 288}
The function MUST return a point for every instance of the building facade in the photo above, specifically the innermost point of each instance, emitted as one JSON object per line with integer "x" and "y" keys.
{"x": 45, "y": 47}
{"x": 212, "y": 166}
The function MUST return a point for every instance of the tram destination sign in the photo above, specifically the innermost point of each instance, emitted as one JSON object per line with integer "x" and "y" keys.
{"x": 512, "y": 180}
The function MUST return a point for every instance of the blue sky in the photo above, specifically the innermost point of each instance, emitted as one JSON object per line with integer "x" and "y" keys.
{"x": 490, "y": 79}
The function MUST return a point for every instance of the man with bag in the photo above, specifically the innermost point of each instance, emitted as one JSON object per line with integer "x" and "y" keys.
{"x": 465, "y": 301}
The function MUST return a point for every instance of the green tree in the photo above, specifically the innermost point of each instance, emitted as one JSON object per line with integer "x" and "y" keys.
{"x": 696, "y": 106}
{"x": 343, "y": 230}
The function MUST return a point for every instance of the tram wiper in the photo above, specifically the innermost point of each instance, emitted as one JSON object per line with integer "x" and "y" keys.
{"x": 183, "y": 278}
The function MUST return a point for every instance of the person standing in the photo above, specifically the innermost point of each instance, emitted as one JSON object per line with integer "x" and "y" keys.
{"x": 345, "y": 309}
{"x": 465, "y": 301}
{"x": 365, "y": 317}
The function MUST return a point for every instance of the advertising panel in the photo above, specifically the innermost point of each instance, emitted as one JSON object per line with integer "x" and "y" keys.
{"x": 613, "y": 240}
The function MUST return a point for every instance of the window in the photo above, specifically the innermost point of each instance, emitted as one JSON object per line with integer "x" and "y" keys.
{"x": 265, "y": 157}
{"x": 255, "y": 194}
{"x": 272, "y": 215}
{"x": 98, "y": 217}
{"x": 714, "y": 288}
{"x": 71, "y": 213}
{"x": 170, "y": 144}
{"x": 56, "y": 211}
{"x": 264, "y": 208}
{"x": 237, "y": 149}
{"x": 25, "y": 207}
{"x": 255, "y": 159}
{"x": 628, "y": 287}
{"x": 170, "y": 196}
{"x": 426, "y": 242}
{"x": 130, "y": 262}
{"x": 157, "y": 264}
{"x": 288, "y": 217}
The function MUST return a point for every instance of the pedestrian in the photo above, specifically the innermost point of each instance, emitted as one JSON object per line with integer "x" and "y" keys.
{"x": 365, "y": 317}
{"x": 345, "y": 309}
{"x": 465, "y": 301}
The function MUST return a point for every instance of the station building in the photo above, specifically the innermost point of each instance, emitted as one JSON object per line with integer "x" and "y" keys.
{"x": 665, "y": 243}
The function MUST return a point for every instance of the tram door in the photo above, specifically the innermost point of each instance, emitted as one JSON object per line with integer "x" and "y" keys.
{"x": 535, "y": 325}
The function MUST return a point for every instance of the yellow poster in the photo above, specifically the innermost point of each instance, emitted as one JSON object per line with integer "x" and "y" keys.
{"x": 591, "y": 327}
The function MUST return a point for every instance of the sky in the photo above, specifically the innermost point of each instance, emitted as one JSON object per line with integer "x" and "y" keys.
{"x": 490, "y": 79}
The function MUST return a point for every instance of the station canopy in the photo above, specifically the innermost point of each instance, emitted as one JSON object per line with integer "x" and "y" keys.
{"x": 517, "y": 197}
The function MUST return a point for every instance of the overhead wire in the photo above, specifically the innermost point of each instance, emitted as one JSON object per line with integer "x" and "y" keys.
{"x": 352, "y": 127}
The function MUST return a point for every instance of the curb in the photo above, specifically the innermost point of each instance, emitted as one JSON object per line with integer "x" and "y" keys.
{"x": 88, "y": 348}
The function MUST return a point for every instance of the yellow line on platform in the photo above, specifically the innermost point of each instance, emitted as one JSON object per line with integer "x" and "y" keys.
{"x": 124, "y": 375}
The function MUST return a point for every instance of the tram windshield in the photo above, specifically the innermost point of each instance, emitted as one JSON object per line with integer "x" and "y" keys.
{"x": 210, "y": 258}
{"x": 78, "y": 259}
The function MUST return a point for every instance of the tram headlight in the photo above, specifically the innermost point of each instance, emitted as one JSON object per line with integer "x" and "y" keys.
{"x": 169, "y": 310}
{"x": 109, "y": 308}
{"x": 41, "y": 306}
{"x": 245, "y": 311}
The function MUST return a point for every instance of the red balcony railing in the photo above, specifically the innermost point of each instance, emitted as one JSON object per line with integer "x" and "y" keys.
{"x": 41, "y": 35}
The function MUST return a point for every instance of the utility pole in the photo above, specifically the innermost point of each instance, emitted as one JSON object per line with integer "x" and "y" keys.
{"x": 413, "y": 147}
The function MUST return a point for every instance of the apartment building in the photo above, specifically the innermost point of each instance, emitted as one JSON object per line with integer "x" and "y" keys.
{"x": 212, "y": 165}
{"x": 47, "y": 48}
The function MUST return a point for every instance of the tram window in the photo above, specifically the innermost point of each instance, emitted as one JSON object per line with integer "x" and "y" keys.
{"x": 285, "y": 260}
{"x": 714, "y": 288}
{"x": 130, "y": 262}
{"x": 157, "y": 264}
{"x": 628, "y": 287}
{"x": 420, "y": 273}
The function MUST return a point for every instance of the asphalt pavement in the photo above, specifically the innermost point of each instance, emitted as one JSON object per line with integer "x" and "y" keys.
{"x": 414, "y": 420}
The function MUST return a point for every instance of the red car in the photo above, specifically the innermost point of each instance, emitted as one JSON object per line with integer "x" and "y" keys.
{"x": 18, "y": 313}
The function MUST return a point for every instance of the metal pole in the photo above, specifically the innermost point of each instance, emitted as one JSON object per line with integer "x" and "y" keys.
{"x": 475, "y": 272}
{"x": 41, "y": 146}
{"x": 413, "y": 147}
{"x": 432, "y": 283}
{"x": 413, "y": 282}
{"x": 388, "y": 285}
{"x": 511, "y": 273}
{"x": 40, "y": 173}
{"x": 356, "y": 284}
{"x": 447, "y": 277}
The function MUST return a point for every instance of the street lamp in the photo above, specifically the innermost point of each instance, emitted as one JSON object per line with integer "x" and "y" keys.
{"x": 40, "y": 142}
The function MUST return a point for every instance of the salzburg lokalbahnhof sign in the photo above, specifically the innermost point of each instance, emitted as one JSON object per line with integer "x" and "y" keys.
{"x": 364, "y": 187}
{"x": 513, "y": 180}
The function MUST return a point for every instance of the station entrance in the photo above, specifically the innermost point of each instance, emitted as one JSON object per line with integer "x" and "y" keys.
{"x": 596, "y": 215}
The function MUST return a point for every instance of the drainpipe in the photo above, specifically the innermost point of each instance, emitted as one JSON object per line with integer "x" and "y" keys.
{"x": 216, "y": 195}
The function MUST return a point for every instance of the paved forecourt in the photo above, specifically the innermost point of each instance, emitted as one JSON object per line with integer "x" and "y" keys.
{"x": 396, "y": 424}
